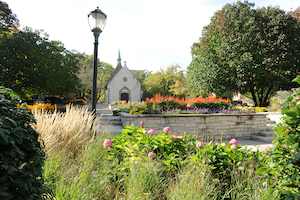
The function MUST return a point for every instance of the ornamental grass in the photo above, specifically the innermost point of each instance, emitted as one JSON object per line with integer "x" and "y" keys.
{"x": 68, "y": 132}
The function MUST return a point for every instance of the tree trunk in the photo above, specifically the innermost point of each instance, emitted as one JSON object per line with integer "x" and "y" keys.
{"x": 253, "y": 96}
{"x": 266, "y": 100}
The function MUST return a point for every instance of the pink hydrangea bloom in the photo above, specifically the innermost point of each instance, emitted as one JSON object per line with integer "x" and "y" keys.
{"x": 199, "y": 144}
{"x": 233, "y": 141}
{"x": 233, "y": 146}
{"x": 166, "y": 129}
{"x": 151, "y": 132}
{"x": 142, "y": 123}
{"x": 151, "y": 155}
{"x": 107, "y": 143}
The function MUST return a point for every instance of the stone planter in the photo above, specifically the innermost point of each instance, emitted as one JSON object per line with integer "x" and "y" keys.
{"x": 217, "y": 126}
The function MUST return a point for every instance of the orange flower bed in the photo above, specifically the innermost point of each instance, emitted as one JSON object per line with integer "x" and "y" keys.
{"x": 39, "y": 106}
{"x": 210, "y": 99}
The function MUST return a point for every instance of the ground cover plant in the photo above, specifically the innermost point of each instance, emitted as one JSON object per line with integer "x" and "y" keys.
{"x": 143, "y": 163}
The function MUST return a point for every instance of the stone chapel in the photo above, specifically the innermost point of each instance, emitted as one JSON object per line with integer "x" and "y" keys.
{"x": 122, "y": 85}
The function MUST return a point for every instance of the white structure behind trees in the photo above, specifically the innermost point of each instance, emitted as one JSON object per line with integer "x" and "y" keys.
{"x": 122, "y": 85}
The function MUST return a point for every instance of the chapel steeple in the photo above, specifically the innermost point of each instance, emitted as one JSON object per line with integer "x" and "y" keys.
{"x": 119, "y": 59}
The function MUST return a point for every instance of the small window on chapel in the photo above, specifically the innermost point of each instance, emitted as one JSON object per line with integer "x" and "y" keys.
{"x": 125, "y": 79}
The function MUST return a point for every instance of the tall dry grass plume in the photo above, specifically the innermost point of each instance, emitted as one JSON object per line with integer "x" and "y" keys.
{"x": 69, "y": 133}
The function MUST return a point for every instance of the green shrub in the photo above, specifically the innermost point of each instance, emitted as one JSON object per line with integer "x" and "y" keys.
{"x": 224, "y": 161}
{"x": 136, "y": 142}
{"x": 283, "y": 169}
{"x": 22, "y": 157}
{"x": 138, "y": 110}
{"x": 211, "y": 105}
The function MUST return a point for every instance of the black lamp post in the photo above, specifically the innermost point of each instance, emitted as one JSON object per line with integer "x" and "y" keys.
{"x": 97, "y": 20}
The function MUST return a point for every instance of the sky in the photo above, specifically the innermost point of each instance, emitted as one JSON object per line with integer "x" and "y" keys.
{"x": 151, "y": 35}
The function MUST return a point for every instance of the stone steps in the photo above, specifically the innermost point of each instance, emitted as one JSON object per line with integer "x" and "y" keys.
{"x": 267, "y": 135}
{"x": 262, "y": 138}
{"x": 109, "y": 124}
{"x": 104, "y": 111}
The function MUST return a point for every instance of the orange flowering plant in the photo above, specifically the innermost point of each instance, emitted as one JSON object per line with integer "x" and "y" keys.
{"x": 163, "y": 103}
{"x": 44, "y": 107}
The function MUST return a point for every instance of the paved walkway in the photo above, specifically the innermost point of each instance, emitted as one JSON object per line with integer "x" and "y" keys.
{"x": 255, "y": 145}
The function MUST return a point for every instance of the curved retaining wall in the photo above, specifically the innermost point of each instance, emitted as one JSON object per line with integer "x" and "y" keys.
{"x": 216, "y": 126}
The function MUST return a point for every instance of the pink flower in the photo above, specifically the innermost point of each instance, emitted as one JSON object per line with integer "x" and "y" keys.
{"x": 233, "y": 141}
{"x": 233, "y": 146}
{"x": 107, "y": 143}
{"x": 199, "y": 144}
{"x": 166, "y": 129}
{"x": 200, "y": 136}
{"x": 151, "y": 155}
{"x": 142, "y": 123}
{"x": 151, "y": 132}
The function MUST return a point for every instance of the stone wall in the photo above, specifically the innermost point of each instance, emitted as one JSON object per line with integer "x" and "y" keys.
{"x": 215, "y": 126}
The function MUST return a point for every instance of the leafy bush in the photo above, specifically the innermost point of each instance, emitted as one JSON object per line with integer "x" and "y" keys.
{"x": 22, "y": 157}
{"x": 175, "y": 152}
{"x": 75, "y": 101}
{"x": 136, "y": 142}
{"x": 210, "y": 105}
{"x": 284, "y": 165}
{"x": 138, "y": 110}
{"x": 224, "y": 160}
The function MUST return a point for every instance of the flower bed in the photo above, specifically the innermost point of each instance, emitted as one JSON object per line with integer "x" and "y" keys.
{"x": 44, "y": 107}
{"x": 172, "y": 105}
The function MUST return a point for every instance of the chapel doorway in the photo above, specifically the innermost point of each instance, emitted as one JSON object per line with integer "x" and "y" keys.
{"x": 125, "y": 97}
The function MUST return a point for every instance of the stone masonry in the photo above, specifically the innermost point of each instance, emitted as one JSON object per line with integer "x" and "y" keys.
{"x": 215, "y": 126}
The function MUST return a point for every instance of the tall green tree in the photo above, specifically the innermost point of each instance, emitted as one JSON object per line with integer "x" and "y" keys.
{"x": 8, "y": 20}
{"x": 165, "y": 81}
{"x": 142, "y": 75}
{"x": 86, "y": 76}
{"x": 253, "y": 51}
{"x": 30, "y": 64}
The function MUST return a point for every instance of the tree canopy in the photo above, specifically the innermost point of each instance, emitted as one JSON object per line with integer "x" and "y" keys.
{"x": 253, "y": 51}
{"x": 86, "y": 73}
{"x": 8, "y": 20}
{"x": 32, "y": 64}
{"x": 167, "y": 82}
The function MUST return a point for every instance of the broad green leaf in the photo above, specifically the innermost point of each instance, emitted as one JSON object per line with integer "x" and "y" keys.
{"x": 274, "y": 101}
{"x": 297, "y": 156}
{"x": 260, "y": 171}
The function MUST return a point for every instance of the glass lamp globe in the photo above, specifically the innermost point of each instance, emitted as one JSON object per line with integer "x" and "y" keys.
{"x": 97, "y": 20}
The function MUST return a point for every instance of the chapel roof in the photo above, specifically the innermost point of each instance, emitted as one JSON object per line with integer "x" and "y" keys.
{"x": 117, "y": 69}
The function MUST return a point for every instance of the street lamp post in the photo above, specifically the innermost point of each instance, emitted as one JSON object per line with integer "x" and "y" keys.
{"x": 97, "y": 20}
